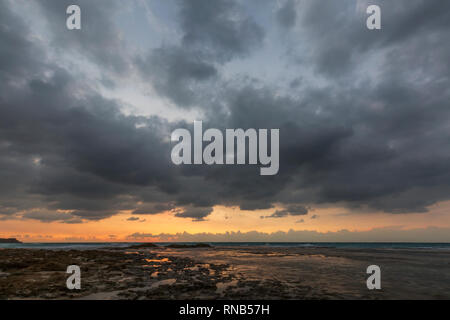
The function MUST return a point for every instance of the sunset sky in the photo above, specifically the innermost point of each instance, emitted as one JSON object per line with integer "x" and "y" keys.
{"x": 86, "y": 117}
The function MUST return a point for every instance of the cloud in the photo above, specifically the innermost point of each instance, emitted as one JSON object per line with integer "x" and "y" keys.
{"x": 154, "y": 208}
{"x": 340, "y": 42}
{"x": 132, "y": 219}
{"x": 99, "y": 39}
{"x": 212, "y": 34}
{"x": 75, "y": 239}
{"x": 291, "y": 210}
{"x": 219, "y": 29}
{"x": 49, "y": 216}
{"x": 194, "y": 213}
{"x": 177, "y": 73}
{"x": 287, "y": 15}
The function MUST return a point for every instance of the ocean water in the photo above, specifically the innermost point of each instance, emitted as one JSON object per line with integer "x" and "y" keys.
{"x": 355, "y": 245}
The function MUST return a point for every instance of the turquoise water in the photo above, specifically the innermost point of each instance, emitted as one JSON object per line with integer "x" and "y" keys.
{"x": 361, "y": 245}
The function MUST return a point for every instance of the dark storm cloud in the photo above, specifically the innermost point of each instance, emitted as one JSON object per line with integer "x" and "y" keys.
{"x": 213, "y": 33}
{"x": 66, "y": 147}
{"x": 291, "y": 210}
{"x": 49, "y": 216}
{"x": 287, "y": 15}
{"x": 177, "y": 73}
{"x": 87, "y": 149}
{"x": 338, "y": 41}
{"x": 17, "y": 53}
{"x": 100, "y": 40}
{"x": 219, "y": 29}
{"x": 154, "y": 208}
{"x": 378, "y": 143}
{"x": 194, "y": 213}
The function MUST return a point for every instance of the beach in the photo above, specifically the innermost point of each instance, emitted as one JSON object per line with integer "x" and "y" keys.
{"x": 225, "y": 272}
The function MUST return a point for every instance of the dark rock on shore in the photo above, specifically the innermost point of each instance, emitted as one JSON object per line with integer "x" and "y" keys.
{"x": 144, "y": 245}
{"x": 106, "y": 274}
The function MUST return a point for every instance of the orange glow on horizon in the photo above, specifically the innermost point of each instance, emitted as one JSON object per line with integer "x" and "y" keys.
{"x": 223, "y": 219}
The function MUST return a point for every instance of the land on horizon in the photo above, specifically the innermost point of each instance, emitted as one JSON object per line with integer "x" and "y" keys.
{"x": 9, "y": 240}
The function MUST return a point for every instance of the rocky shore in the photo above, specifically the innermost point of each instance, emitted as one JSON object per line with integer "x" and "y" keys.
{"x": 150, "y": 272}
{"x": 108, "y": 274}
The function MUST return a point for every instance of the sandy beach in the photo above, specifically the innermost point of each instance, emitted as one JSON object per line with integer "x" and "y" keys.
{"x": 225, "y": 273}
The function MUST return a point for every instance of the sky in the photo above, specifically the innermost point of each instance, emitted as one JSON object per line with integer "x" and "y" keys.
{"x": 86, "y": 117}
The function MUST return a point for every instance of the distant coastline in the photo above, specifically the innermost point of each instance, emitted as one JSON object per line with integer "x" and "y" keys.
{"x": 9, "y": 240}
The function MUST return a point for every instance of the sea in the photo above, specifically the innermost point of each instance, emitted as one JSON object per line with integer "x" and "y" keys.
{"x": 354, "y": 245}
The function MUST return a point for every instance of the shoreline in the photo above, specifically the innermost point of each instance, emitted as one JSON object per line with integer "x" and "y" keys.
{"x": 228, "y": 272}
